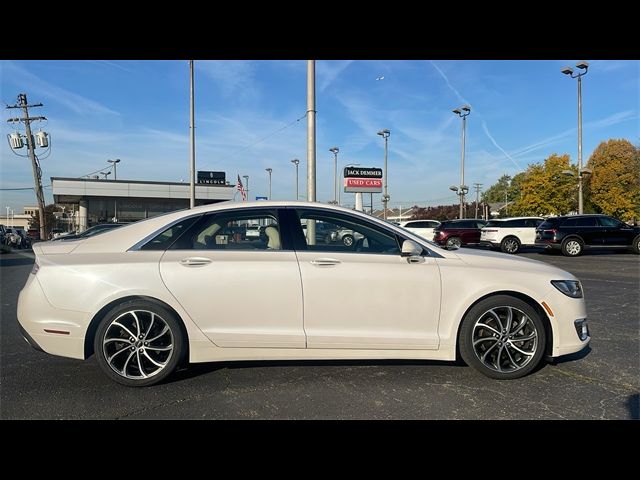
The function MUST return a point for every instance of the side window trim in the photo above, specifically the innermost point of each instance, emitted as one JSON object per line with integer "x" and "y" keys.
{"x": 158, "y": 231}
{"x": 258, "y": 211}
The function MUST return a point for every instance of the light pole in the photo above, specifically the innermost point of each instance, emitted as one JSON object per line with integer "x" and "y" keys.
{"x": 581, "y": 172}
{"x": 105, "y": 174}
{"x": 269, "y": 170}
{"x": 335, "y": 151}
{"x": 296, "y": 162}
{"x": 462, "y": 112}
{"x": 385, "y": 196}
{"x": 246, "y": 177}
{"x": 115, "y": 171}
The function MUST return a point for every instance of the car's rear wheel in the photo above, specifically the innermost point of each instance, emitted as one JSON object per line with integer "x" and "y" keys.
{"x": 572, "y": 247}
{"x": 510, "y": 245}
{"x": 454, "y": 242}
{"x": 139, "y": 343}
{"x": 502, "y": 337}
{"x": 347, "y": 240}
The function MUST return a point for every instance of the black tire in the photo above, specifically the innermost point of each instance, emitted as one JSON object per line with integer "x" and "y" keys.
{"x": 453, "y": 242}
{"x": 348, "y": 240}
{"x": 572, "y": 246}
{"x": 139, "y": 362}
{"x": 635, "y": 246}
{"x": 510, "y": 245}
{"x": 508, "y": 354}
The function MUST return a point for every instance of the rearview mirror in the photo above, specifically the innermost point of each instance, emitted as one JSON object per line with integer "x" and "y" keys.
{"x": 411, "y": 249}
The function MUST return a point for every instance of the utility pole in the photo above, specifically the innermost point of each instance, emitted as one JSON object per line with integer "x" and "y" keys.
{"x": 311, "y": 145}
{"x": 477, "y": 186}
{"x": 37, "y": 172}
{"x": 192, "y": 143}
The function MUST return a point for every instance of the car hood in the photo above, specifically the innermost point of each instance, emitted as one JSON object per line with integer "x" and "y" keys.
{"x": 495, "y": 260}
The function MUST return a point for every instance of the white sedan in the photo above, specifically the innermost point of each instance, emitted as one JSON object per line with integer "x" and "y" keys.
{"x": 182, "y": 287}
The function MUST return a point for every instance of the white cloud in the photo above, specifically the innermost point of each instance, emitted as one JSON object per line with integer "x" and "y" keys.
{"x": 235, "y": 78}
{"x": 328, "y": 71}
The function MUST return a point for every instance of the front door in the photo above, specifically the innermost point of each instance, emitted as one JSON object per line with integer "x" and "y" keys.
{"x": 240, "y": 287}
{"x": 364, "y": 295}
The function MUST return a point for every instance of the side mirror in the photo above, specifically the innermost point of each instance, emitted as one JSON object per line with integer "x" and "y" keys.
{"x": 411, "y": 249}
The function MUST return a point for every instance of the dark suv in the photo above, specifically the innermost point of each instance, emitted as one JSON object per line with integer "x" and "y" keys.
{"x": 455, "y": 233}
{"x": 572, "y": 234}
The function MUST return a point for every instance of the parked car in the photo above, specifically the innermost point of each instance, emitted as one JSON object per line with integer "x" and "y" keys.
{"x": 424, "y": 228}
{"x": 33, "y": 234}
{"x": 14, "y": 238}
{"x": 89, "y": 232}
{"x": 55, "y": 233}
{"x": 456, "y": 233}
{"x": 575, "y": 233}
{"x": 159, "y": 293}
{"x": 510, "y": 234}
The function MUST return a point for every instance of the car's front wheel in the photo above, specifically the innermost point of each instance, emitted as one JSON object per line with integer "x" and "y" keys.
{"x": 502, "y": 337}
{"x": 636, "y": 245}
{"x": 139, "y": 343}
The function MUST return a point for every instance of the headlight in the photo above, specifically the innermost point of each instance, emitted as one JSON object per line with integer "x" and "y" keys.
{"x": 571, "y": 288}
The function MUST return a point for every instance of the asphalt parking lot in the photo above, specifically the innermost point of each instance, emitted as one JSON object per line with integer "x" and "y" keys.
{"x": 602, "y": 382}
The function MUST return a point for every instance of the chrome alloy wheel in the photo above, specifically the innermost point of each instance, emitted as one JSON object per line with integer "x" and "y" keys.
{"x": 505, "y": 339}
{"x": 138, "y": 344}
{"x": 511, "y": 245}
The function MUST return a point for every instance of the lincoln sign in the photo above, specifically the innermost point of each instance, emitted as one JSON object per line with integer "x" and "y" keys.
{"x": 364, "y": 180}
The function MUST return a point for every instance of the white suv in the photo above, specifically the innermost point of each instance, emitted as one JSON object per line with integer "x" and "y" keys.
{"x": 424, "y": 228}
{"x": 510, "y": 233}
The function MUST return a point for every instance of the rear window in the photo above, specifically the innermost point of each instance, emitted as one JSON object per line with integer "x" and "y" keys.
{"x": 165, "y": 239}
{"x": 549, "y": 223}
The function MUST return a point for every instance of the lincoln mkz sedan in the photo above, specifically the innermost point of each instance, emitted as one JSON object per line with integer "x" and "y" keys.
{"x": 183, "y": 288}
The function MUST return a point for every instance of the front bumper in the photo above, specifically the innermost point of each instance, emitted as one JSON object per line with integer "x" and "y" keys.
{"x": 569, "y": 317}
{"x": 489, "y": 243}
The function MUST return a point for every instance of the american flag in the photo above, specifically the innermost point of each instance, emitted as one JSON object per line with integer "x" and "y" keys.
{"x": 241, "y": 189}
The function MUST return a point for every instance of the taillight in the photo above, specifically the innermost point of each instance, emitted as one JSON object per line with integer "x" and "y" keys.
{"x": 35, "y": 268}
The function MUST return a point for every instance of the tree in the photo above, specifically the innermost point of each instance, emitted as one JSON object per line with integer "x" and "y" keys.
{"x": 614, "y": 185}
{"x": 544, "y": 190}
{"x": 50, "y": 219}
{"x": 496, "y": 192}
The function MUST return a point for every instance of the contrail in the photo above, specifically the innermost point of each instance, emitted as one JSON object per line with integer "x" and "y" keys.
{"x": 486, "y": 131}
{"x": 484, "y": 123}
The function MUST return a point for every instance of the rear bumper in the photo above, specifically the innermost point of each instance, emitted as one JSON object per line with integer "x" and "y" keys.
{"x": 49, "y": 329}
{"x": 547, "y": 244}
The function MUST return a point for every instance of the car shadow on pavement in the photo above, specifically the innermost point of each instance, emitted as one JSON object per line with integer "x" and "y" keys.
{"x": 14, "y": 262}
{"x": 633, "y": 404}
{"x": 198, "y": 369}
{"x": 571, "y": 357}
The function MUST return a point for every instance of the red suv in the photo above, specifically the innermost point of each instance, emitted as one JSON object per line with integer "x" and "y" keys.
{"x": 455, "y": 233}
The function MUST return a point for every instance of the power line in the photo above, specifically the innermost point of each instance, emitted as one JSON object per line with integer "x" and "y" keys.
{"x": 263, "y": 138}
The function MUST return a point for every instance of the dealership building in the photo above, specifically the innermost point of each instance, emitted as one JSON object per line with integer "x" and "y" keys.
{"x": 95, "y": 201}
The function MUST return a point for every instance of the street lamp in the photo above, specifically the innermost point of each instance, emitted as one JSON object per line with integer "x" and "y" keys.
{"x": 335, "y": 151}
{"x": 105, "y": 174}
{"x": 296, "y": 162}
{"x": 385, "y": 197}
{"x": 246, "y": 177}
{"x": 269, "y": 170}
{"x": 462, "y": 112}
{"x": 461, "y": 191}
{"x": 581, "y": 172}
{"x": 114, "y": 163}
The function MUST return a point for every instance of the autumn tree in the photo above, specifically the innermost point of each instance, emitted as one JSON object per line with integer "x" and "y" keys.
{"x": 614, "y": 185}
{"x": 544, "y": 190}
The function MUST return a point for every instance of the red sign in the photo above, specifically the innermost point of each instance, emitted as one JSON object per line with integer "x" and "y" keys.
{"x": 365, "y": 185}
{"x": 363, "y": 182}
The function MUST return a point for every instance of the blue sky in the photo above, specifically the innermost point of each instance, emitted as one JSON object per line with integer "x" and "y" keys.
{"x": 138, "y": 111}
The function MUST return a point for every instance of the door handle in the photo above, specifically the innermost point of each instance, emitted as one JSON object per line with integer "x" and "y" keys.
{"x": 195, "y": 261}
{"x": 325, "y": 262}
